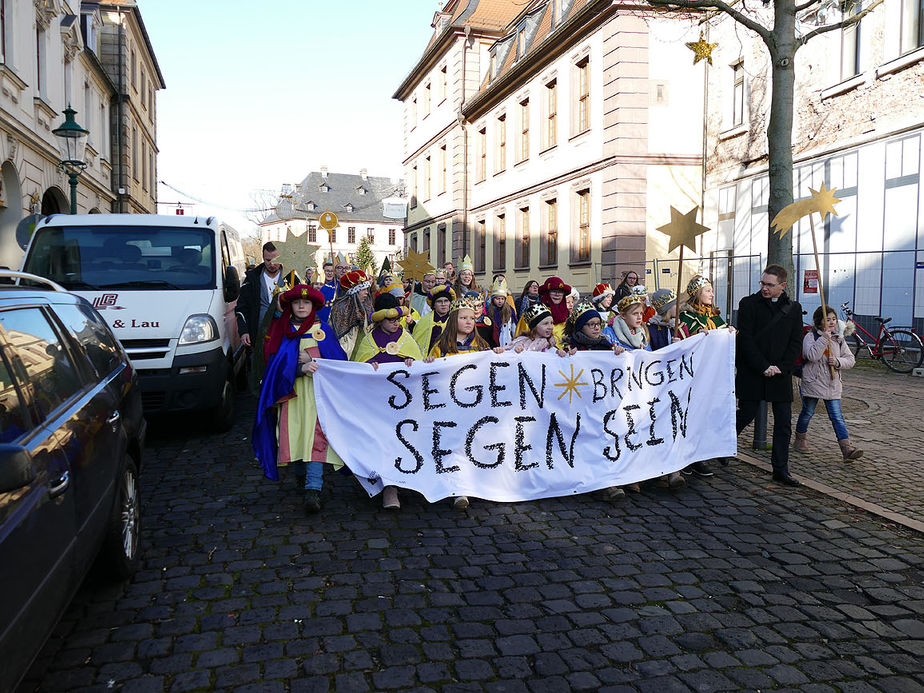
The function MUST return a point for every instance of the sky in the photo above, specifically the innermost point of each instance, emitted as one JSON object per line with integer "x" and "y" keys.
{"x": 261, "y": 93}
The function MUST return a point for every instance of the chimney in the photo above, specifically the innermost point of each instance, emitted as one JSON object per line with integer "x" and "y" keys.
{"x": 324, "y": 172}
{"x": 363, "y": 173}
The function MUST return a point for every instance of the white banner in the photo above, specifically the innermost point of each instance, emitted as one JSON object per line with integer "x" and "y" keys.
{"x": 516, "y": 427}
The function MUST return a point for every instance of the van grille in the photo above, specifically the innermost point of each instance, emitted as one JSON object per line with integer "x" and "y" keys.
{"x": 145, "y": 343}
{"x": 152, "y": 401}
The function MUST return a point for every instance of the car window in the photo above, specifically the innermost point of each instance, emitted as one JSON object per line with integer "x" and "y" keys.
{"x": 36, "y": 345}
{"x": 14, "y": 421}
{"x": 91, "y": 332}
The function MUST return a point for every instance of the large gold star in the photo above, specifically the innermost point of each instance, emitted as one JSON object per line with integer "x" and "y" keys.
{"x": 683, "y": 229}
{"x": 821, "y": 201}
{"x": 295, "y": 253}
{"x": 415, "y": 265}
{"x": 571, "y": 384}
{"x": 702, "y": 50}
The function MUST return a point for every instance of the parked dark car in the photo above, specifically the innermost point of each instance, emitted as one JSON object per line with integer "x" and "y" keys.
{"x": 71, "y": 441}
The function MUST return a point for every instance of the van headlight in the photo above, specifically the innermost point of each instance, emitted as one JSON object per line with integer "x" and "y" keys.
{"x": 198, "y": 329}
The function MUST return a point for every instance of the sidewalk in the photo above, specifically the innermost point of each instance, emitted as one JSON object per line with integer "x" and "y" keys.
{"x": 883, "y": 411}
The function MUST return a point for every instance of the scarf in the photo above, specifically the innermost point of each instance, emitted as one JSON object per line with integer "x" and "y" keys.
{"x": 283, "y": 328}
{"x": 348, "y": 312}
{"x": 585, "y": 343}
{"x": 559, "y": 311}
{"x": 636, "y": 340}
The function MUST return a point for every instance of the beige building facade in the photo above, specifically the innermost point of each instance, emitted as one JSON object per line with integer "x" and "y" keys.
{"x": 858, "y": 127}
{"x": 571, "y": 148}
{"x": 54, "y": 55}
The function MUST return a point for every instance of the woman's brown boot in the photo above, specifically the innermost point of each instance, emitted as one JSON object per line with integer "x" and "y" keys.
{"x": 801, "y": 443}
{"x": 849, "y": 451}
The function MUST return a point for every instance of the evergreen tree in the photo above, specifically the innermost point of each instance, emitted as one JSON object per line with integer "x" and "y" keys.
{"x": 365, "y": 258}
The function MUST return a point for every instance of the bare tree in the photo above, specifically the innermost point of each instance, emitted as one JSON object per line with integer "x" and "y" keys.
{"x": 778, "y": 29}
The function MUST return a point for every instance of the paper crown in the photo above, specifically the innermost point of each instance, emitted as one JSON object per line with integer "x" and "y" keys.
{"x": 392, "y": 287}
{"x": 440, "y": 291}
{"x": 536, "y": 314}
{"x": 662, "y": 298}
{"x": 580, "y": 316}
{"x": 638, "y": 290}
{"x": 386, "y": 306}
{"x": 554, "y": 284}
{"x": 629, "y": 301}
{"x": 466, "y": 264}
{"x": 302, "y": 291}
{"x": 464, "y": 302}
{"x": 355, "y": 281}
{"x": 696, "y": 283}
{"x": 499, "y": 288}
{"x": 340, "y": 259}
{"x": 601, "y": 291}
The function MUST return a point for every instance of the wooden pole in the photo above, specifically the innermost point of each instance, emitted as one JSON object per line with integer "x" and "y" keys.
{"x": 821, "y": 293}
{"x": 677, "y": 301}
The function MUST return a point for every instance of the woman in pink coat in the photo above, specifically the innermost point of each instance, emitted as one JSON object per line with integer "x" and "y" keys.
{"x": 823, "y": 349}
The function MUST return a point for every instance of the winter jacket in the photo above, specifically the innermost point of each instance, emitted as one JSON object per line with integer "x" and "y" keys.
{"x": 761, "y": 345}
{"x": 816, "y": 376}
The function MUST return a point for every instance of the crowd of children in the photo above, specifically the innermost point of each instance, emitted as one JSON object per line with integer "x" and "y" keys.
{"x": 377, "y": 322}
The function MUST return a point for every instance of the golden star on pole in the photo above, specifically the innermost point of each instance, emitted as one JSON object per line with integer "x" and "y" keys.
{"x": 821, "y": 201}
{"x": 683, "y": 229}
{"x": 295, "y": 253}
{"x": 415, "y": 265}
{"x": 702, "y": 50}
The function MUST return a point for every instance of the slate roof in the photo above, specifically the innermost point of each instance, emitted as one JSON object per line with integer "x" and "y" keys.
{"x": 343, "y": 191}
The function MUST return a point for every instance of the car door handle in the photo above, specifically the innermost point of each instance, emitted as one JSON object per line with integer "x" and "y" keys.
{"x": 59, "y": 485}
{"x": 114, "y": 419}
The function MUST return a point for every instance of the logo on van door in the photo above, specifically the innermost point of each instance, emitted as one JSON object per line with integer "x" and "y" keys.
{"x": 107, "y": 301}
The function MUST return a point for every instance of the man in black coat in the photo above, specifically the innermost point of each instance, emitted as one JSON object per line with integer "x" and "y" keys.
{"x": 769, "y": 342}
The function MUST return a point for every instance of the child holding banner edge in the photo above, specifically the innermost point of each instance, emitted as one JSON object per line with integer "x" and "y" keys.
{"x": 538, "y": 320}
{"x": 388, "y": 342}
{"x": 460, "y": 337}
{"x": 287, "y": 430}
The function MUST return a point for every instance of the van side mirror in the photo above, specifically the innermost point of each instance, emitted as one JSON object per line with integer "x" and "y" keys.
{"x": 15, "y": 467}
{"x": 232, "y": 284}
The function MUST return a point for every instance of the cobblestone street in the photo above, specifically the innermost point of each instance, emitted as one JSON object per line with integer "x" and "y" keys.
{"x": 729, "y": 584}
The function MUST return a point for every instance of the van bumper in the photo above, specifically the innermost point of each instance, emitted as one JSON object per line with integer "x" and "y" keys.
{"x": 193, "y": 382}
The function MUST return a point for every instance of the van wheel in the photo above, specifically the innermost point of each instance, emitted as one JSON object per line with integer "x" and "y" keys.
{"x": 119, "y": 555}
{"x": 222, "y": 416}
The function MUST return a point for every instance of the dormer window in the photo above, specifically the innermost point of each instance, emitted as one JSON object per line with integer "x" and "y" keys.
{"x": 311, "y": 206}
{"x": 521, "y": 41}
{"x": 493, "y": 68}
{"x": 348, "y": 207}
{"x": 360, "y": 190}
{"x": 324, "y": 187}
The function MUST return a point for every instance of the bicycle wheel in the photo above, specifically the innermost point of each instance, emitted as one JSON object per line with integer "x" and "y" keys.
{"x": 902, "y": 350}
{"x": 854, "y": 344}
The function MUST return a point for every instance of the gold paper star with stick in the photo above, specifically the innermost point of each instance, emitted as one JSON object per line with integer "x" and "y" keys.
{"x": 702, "y": 50}
{"x": 683, "y": 229}
{"x": 295, "y": 253}
{"x": 415, "y": 265}
{"x": 821, "y": 201}
{"x": 571, "y": 384}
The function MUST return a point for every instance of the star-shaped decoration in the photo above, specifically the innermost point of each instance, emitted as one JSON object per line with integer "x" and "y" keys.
{"x": 571, "y": 384}
{"x": 702, "y": 50}
{"x": 821, "y": 201}
{"x": 295, "y": 253}
{"x": 415, "y": 265}
{"x": 683, "y": 229}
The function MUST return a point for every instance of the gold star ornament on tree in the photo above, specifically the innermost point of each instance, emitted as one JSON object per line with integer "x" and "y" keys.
{"x": 683, "y": 229}
{"x": 295, "y": 253}
{"x": 821, "y": 201}
{"x": 415, "y": 265}
{"x": 702, "y": 50}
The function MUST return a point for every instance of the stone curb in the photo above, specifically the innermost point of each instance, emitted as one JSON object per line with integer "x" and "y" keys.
{"x": 848, "y": 498}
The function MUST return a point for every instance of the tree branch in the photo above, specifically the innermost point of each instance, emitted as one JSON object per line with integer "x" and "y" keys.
{"x": 805, "y": 5}
{"x": 751, "y": 24}
{"x": 850, "y": 21}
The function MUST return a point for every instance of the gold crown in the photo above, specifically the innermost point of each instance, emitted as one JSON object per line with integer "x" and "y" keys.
{"x": 696, "y": 283}
{"x": 535, "y": 313}
{"x": 464, "y": 302}
{"x": 629, "y": 301}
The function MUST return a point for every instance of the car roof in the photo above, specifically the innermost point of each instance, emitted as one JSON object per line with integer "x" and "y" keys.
{"x": 22, "y": 295}
{"x": 173, "y": 220}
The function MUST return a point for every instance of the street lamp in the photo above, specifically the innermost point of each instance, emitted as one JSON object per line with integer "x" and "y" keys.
{"x": 72, "y": 141}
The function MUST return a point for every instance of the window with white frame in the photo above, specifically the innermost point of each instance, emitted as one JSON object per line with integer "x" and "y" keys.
{"x": 413, "y": 186}
{"x": 524, "y": 130}
{"x": 482, "y": 150}
{"x": 426, "y": 100}
{"x": 737, "y": 105}
{"x": 443, "y": 164}
{"x": 582, "y": 96}
{"x": 5, "y": 21}
{"x": 351, "y": 234}
{"x": 370, "y": 233}
{"x": 550, "y": 131}
{"x": 550, "y": 234}
{"x": 41, "y": 68}
{"x": 850, "y": 46}
{"x": 441, "y": 94}
{"x": 522, "y": 245}
{"x": 500, "y": 242}
{"x": 501, "y": 135}
{"x": 426, "y": 178}
{"x": 580, "y": 244}
{"x": 911, "y": 31}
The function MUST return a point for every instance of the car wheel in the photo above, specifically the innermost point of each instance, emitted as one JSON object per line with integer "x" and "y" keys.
{"x": 223, "y": 414}
{"x": 121, "y": 545}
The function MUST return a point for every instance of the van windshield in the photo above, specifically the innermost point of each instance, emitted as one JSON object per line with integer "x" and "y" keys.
{"x": 109, "y": 257}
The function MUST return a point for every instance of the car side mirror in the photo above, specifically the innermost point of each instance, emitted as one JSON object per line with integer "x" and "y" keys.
{"x": 232, "y": 284}
{"x": 15, "y": 467}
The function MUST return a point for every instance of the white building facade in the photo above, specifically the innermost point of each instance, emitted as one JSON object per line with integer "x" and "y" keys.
{"x": 859, "y": 125}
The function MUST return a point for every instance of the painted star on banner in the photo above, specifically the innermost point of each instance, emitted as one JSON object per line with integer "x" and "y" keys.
{"x": 571, "y": 384}
{"x": 683, "y": 229}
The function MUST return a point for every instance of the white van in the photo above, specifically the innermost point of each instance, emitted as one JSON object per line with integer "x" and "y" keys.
{"x": 168, "y": 287}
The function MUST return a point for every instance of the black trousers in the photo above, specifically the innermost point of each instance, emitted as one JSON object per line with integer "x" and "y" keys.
{"x": 782, "y": 429}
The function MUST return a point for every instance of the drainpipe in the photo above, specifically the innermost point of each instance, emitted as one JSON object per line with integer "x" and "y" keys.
{"x": 119, "y": 103}
{"x": 467, "y": 34}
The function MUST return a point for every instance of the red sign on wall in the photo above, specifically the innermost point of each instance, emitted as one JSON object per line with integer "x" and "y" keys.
{"x": 810, "y": 282}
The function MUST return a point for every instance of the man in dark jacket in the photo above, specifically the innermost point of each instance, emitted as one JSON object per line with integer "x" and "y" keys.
{"x": 769, "y": 342}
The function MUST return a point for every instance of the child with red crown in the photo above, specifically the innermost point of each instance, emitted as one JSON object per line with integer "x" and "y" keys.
{"x": 287, "y": 430}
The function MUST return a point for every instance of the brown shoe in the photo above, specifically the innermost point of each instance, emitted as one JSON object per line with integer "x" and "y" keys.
{"x": 634, "y": 488}
{"x": 390, "y": 498}
{"x": 849, "y": 451}
{"x": 801, "y": 444}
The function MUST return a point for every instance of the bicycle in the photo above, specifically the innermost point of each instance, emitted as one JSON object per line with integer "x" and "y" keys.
{"x": 900, "y": 349}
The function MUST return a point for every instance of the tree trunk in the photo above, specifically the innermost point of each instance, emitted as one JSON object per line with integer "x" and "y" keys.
{"x": 779, "y": 132}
